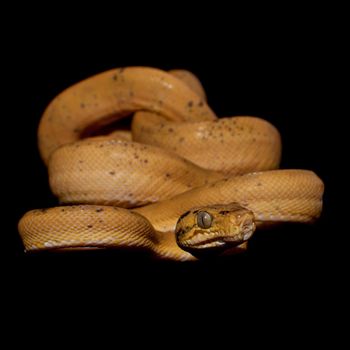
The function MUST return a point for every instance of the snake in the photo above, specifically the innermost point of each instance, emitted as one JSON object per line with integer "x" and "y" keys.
{"x": 181, "y": 184}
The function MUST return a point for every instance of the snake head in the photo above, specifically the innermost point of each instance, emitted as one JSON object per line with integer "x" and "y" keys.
{"x": 214, "y": 229}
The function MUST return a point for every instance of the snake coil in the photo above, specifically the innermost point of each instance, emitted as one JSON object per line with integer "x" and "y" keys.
{"x": 181, "y": 183}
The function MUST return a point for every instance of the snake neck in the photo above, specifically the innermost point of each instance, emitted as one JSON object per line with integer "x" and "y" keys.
{"x": 166, "y": 247}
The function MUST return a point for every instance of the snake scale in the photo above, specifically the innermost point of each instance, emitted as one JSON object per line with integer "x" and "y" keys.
{"x": 181, "y": 184}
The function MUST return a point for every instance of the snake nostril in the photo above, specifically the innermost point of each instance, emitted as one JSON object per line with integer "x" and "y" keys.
{"x": 248, "y": 228}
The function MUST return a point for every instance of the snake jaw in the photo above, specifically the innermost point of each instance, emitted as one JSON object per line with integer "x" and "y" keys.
{"x": 231, "y": 225}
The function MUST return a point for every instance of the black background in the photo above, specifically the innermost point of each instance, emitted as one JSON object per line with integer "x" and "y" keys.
{"x": 287, "y": 78}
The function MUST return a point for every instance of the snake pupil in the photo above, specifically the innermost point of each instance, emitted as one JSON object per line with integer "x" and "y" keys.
{"x": 204, "y": 219}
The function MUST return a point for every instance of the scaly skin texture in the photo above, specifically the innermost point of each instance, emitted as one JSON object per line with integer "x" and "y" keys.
{"x": 112, "y": 95}
{"x": 190, "y": 80}
{"x": 91, "y": 226}
{"x": 273, "y": 196}
{"x": 229, "y": 145}
{"x": 98, "y": 171}
{"x": 184, "y": 158}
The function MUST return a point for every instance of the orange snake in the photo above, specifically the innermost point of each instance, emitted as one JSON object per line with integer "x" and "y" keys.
{"x": 180, "y": 178}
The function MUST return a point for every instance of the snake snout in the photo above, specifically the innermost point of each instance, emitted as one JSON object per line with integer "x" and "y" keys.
{"x": 247, "y": 228}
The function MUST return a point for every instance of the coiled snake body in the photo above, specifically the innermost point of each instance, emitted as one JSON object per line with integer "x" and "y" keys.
{"x": 180, "y": 184}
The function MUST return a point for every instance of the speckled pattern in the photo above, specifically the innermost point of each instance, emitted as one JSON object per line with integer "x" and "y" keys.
{"x": 126, "y": 174}
{"x": 232, "y": 146}
{"x": 113, "y": 95}
{"x": 178, "y": 156}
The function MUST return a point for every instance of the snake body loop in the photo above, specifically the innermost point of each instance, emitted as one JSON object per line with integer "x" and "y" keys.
{"x": 180, "y": 183}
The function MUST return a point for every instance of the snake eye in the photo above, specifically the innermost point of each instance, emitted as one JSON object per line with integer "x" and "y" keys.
{"x": 204, "y": 219}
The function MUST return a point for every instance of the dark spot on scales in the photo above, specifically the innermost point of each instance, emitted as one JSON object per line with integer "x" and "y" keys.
{"x": 170, "y": 129}
{"x": 112, "y": 172}
{"x": 115, "y": 77}
{"x": 190, "y": 104}
{"x": 200, "y": 103}
{"x": 184, "y": 214}
{"x": 98, "y": 210}
{"x": 89, "y": 226}
{"x": 82, "y": 105}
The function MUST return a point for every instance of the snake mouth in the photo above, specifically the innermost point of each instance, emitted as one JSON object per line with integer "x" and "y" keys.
{"x": 218, "y": 241}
